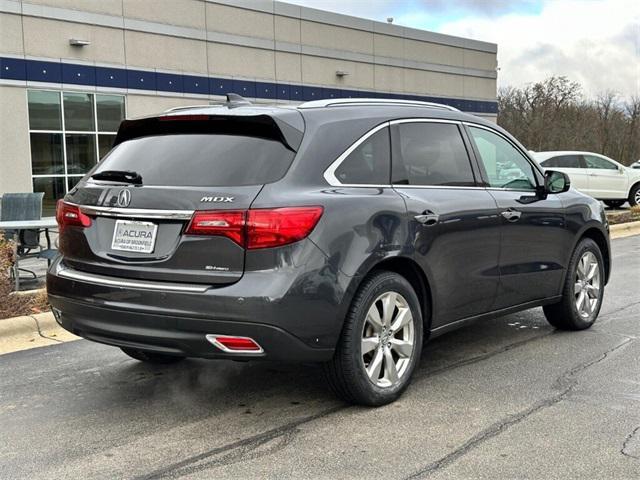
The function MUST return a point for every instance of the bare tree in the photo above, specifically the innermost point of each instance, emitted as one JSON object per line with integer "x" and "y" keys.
{"x": 555, "y": 115}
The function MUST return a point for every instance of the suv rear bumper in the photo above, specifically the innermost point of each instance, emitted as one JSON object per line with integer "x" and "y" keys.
{"x": 178, "y": 335}
{"x": 294, "y": 314}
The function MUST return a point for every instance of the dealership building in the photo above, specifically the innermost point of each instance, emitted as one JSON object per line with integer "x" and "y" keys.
{"x": 71, "y": 70}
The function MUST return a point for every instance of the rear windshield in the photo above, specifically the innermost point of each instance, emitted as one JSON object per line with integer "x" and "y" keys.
{"x": 201, "y": 160}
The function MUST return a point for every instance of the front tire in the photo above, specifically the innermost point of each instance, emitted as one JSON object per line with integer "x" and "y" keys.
{"x": 152, "y": 357}
{"x": 583, "y": 289}
{"x": 634, "y": 195}
{"x": 614, "y": 203}
{"x": 381, "y": 342}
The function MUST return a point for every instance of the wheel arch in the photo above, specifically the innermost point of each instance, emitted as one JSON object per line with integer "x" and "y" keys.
{"x": 410, "y": 271}
{"x": 633, "y": 185}
{"x": 600, "y": 238}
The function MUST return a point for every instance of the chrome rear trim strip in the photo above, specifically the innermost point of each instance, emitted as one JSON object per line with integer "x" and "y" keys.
{"x": 136, "y": 212}
{"x": 126, "y": 283}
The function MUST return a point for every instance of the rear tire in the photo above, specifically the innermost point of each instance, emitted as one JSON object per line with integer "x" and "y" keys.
{"x": 152, "y": 357}
{"x": 381, "y": 342}
{"x": 634, "y": 195}
{"x": 614, "y": 203}
{"x": 583, "y": 289}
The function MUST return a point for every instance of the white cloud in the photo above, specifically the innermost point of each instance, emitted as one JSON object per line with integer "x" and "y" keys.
{"x": 594, "y": 42}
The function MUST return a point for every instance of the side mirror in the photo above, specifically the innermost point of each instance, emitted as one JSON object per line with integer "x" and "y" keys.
{"x": 556, "y": 182}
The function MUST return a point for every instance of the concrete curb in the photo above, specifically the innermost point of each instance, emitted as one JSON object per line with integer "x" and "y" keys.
{"x": 624, "y": 230}
{"x": 31, "y": 331}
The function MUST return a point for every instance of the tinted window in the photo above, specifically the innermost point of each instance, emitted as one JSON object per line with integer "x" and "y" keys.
{"x": 600, "y": 163}
{"x": 431, "y": 154}
{"x": 110, "y": 112}
{"x": 563, "y": 161}
{"x": 369, "y": 163}
{"x": 504, "y": 165}
{"x": 44, "y": 110}
{"x": 201, "y": 160}
{"x": 78, "y": 112}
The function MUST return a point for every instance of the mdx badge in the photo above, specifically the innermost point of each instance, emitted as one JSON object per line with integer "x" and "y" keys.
{"x": 217, "y": 199}
{"x": 124, "y": 198}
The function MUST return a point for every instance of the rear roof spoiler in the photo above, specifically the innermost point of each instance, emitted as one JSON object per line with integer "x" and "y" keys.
{"x": 261, "y": 125}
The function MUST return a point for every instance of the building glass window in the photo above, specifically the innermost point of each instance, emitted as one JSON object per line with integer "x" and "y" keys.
{"x": 70, "y": 132}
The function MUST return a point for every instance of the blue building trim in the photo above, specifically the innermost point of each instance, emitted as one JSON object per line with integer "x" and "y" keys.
{"x": 132, "y": 79}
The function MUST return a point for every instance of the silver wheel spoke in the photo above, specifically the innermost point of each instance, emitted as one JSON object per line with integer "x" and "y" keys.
{"x": 402, "y": 347}
{"x": 373, "y": 370}
{"x": 577, "y": 288}
{"x": 580, "y": 301}
{"x": 388, "y": 307}
{"x": 373, "y": 317}
{"x": 402, "y": 319}
{"x": 581, "y": 269}
{"x": 390, "y": 368}
{"x": 587, "y": 304}
{"x": 593, "y": 268}
{"x": 369, "y": 343}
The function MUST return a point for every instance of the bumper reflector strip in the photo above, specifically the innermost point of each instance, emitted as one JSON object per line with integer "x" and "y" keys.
{"x": 231, "y": 344}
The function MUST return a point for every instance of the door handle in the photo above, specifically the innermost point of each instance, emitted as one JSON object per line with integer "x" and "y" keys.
{"x": 427, "y": 218}
{"x": 512, "y": 215}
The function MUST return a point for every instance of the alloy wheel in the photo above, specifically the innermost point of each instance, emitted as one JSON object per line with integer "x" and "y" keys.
{"x": 388, "y": 340}
{"x": 587, "y": 285}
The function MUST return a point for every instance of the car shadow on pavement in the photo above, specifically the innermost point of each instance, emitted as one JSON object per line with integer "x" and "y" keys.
{"x": 217, "y": 385}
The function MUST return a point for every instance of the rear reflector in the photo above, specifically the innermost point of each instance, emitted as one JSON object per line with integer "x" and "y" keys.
{"x": 235, "y": 344}
{"x": 68, "y": 214}
{"x": 257, "y": 228}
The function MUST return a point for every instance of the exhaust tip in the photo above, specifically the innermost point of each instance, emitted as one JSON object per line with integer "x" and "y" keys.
{"x": 57, "y": 314}
{"x": 233, "y": 344}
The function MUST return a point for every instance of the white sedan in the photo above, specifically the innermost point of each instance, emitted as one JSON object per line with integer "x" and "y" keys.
{"x": 595, "y": 175}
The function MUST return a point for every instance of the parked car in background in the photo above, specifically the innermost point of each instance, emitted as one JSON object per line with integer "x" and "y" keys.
{"x": 596, "y": 175}
{"x": 636, "y": 164}
{"x": 288, "y": 233}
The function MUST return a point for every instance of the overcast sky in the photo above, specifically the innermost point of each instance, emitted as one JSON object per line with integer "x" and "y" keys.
{"x": 594, "y": 42}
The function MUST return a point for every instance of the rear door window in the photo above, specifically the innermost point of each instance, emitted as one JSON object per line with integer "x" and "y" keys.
{"x": 201, "y": 160}
{"x": 431, "y": 154}
{"x": 369, "y": 163}
{"x": 563, "y": 161}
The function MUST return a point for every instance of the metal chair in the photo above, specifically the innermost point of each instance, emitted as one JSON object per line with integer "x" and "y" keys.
{"x": 24, "y": 206}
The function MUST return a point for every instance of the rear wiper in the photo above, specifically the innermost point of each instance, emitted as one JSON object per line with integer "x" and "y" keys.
{"x": 127, "y": 176}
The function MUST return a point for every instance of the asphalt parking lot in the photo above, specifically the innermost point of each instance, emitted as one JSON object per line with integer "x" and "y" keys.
{"x": 507, "y": 398}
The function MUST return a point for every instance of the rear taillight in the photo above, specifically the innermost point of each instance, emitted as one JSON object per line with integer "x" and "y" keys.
{"x": 257, "y": 228}
{"x": 230, "y": 223}
{"x": 280, "y": 226}
{"x": 68, "y": 214}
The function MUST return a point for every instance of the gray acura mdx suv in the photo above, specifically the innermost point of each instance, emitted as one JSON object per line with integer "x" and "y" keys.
{"x": 346, "y": 232}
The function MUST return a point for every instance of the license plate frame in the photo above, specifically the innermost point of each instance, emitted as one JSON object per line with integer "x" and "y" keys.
{"x": 136, "y": 244}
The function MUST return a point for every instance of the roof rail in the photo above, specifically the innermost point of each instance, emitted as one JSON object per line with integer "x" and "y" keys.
{"x": 373, "y": 102}
{"x": 187, "y": 107}
{"x": 233, "y": 100}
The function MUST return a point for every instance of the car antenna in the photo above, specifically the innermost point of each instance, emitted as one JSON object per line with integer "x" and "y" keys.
{"x": 234, "y": 100}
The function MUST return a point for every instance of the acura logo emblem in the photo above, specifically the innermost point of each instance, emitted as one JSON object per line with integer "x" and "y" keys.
{"x": 124, "y": 198}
